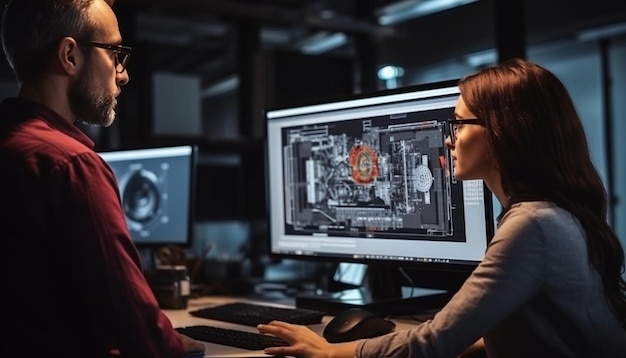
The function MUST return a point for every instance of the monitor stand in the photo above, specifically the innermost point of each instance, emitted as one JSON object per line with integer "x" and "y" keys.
{"x": 382, "y": 293}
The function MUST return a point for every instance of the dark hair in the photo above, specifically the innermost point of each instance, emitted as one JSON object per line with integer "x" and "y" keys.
{"x": 539, "y": 145}
{"x": 31, "y": 30}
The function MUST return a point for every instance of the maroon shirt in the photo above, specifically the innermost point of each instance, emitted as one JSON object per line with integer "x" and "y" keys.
{"x": 72, "y": 282}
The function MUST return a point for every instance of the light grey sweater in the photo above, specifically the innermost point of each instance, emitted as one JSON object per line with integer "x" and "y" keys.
{"x": 535, "y": 294}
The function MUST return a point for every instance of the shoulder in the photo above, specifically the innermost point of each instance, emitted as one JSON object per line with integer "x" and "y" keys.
{"x": 541, "y": 215}
{"x": 42, "y": 149}
{"x": 540, "y": 222}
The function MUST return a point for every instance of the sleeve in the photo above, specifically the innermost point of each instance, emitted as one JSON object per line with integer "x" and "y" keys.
{"x": 106, "y": 265}
{"x": 512, "y": 271}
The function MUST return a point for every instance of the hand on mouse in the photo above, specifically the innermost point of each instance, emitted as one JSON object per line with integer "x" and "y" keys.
{"x": 191, "y": 345}
{"x": 303, "y": 342}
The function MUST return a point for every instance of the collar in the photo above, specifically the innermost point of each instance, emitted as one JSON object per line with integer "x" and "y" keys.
{"x": 16, "y": 110}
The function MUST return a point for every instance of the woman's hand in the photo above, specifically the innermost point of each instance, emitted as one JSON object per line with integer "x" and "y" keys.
{"x": 304, "y": 342}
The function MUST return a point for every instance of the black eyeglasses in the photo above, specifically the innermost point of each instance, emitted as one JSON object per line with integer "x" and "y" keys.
{"x": 455, "y": 124}
{"x": 122, "y": 53}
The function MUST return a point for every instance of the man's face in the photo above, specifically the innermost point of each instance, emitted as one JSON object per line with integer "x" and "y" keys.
{"x": 93, "y": 93}
{"x": 91, "y": 101}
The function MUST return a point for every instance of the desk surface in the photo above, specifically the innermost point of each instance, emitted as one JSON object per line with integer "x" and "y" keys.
{"x": 181, "y": 318}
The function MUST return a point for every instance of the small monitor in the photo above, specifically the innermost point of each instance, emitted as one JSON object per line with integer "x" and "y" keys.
{"x": 157, "y": 190}
{"x": 369, "y": 180}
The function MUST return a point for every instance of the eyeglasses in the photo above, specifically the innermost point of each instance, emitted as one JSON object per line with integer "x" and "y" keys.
{"x": 455, "y": 124}
{"x": 122, "y": 53}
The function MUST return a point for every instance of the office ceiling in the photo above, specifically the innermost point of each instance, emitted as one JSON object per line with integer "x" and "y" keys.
{"x": 204, "y": 37}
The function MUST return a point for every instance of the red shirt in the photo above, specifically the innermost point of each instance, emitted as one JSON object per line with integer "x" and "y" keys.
{"x": 72, "y": 282}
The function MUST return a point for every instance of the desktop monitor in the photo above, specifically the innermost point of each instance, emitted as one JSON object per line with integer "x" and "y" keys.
{"x": 368, "y": 179}
{"x": 156, "y": 186}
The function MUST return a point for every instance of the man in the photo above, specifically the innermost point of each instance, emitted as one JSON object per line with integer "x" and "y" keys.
{"x": 73, "y": 283}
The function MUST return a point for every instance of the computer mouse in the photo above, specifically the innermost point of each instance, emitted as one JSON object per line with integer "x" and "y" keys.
{"x": 356, "y": 323}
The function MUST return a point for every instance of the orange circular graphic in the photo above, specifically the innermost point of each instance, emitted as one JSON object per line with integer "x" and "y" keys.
{"x": 364, "y": 164}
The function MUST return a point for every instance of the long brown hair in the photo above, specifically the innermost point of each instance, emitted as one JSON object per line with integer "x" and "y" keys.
{"x": 539, "y": 145}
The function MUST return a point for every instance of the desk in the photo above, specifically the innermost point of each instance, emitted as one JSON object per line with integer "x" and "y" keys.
{"x": 181, "y": 318}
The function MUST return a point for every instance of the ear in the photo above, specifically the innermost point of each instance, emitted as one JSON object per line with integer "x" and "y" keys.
{"x": 69, "y": 56}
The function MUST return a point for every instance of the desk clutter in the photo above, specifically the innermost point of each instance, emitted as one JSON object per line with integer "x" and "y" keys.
{"x": 171, "y": 286}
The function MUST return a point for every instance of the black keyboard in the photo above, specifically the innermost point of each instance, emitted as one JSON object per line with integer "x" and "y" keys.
{"x": 251, "y": 314}
{"x": 231, "y": 337}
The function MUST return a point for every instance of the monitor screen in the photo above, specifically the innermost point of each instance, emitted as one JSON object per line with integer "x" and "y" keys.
{"x": 157, "y": 189}
{"x": 369, "y": 179}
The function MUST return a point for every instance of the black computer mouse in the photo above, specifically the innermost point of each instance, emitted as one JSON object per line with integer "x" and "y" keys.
{"x": 356, "y": 323}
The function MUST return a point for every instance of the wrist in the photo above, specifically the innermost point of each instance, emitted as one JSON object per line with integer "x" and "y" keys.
{"x": 343, "y": 350}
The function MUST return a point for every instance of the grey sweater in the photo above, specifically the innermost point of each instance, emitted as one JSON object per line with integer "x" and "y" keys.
{"x": 535, "y": 294}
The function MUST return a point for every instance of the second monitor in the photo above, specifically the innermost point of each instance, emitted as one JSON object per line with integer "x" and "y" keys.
{"x": 157, "y": 192}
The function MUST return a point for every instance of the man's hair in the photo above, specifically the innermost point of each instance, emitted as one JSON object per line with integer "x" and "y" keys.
{"x": 539, "y": 145}
{"x": 31, "y": 30}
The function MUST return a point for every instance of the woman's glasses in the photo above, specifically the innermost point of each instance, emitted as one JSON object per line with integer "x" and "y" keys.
{"x": 455, "y": 124}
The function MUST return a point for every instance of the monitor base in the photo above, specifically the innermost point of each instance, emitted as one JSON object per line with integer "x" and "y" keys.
{"x": 414, "y": 300}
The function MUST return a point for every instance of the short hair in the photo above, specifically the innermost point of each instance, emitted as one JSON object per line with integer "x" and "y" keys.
{"x": 31, "y": 30}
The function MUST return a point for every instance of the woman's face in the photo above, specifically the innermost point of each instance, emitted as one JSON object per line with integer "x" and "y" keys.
{"x": 470, "y": 152}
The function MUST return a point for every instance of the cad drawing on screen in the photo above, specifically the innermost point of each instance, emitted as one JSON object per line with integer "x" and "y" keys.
{"x": 369, "y": 180}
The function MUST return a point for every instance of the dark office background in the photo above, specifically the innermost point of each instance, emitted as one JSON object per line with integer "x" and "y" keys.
{"x": 203, "y": 72}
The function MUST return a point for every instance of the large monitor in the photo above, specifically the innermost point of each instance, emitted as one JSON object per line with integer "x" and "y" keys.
{"x": 157, "y": 190}
{"x": 369, "y": 180}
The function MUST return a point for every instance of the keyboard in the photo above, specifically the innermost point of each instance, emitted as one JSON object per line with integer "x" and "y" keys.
{"x": 231, "y": 337}
{"x": 251, "y": 314}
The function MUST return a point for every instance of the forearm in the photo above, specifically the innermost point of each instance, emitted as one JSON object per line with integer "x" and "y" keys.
{"x": 344, "y": 350}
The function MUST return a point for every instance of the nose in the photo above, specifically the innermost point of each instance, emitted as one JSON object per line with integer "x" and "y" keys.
{"x": 123, "y": 78}
{"x": 448, "y": 142}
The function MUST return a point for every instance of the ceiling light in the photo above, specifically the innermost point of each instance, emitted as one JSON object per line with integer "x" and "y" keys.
{"x": 602, "y": 32}
{"x": 226, "y": 85}
{"x": 409, "y": 9}
{"x": 482, "y": 58}
{"x": 323, "y": 42}
{"x": 390, "y": 72}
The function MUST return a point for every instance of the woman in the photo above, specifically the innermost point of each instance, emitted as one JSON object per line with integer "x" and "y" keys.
{"x": 550, "y": 283}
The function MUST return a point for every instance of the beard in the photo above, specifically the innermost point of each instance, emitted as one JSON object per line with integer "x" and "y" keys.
{"x": 92, "y": 106}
